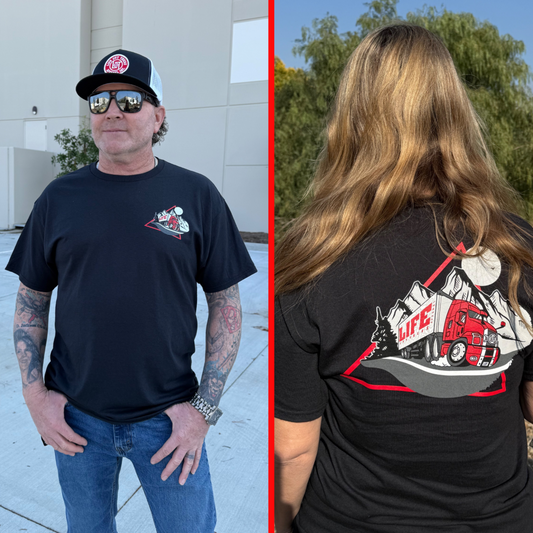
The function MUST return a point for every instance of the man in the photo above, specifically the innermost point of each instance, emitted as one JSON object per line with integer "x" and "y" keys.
{"x": 119, "y": 383}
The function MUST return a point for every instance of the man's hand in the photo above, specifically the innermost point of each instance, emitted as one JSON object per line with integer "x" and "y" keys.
{"x": 189, "y": 429}
{"x": 47, "y": 408}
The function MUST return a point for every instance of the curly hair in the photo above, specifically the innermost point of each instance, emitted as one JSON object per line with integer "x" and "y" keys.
{"x": 159, "y": 137}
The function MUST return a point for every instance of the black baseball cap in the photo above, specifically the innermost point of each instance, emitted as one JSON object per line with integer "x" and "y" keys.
{"x": 125, "y": 67}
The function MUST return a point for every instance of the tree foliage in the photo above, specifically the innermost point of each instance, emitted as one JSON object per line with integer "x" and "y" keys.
{"x": 490, "y": 65}
{"x": 78, "y": 150}
{"x": 282, "y": 74}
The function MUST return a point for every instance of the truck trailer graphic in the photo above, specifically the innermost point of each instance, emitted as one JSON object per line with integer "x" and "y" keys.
{"x": 455, "y": 329}
{"x": 170, "y": 222}
{"x": 449, "y": 343}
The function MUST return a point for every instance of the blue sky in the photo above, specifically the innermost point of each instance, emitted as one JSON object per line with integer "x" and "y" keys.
{"x": 514, "y": 17}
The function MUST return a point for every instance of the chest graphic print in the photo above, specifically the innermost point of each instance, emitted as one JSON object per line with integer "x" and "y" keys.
{"x": 451, "y": 340}
{"x": 170, "y": 222}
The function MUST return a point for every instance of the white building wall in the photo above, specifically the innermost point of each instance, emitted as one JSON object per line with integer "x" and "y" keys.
{"x": 217, "y": 128}
{"x": 106, "y": 28}
{"x": 44, "y": 54}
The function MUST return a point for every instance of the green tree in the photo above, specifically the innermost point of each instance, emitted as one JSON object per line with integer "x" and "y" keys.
{"x": 301, "y": 105}
{"x": 282, "y": 74}
{"x": 78, "y": 150}
{"x": 491, "y": 66}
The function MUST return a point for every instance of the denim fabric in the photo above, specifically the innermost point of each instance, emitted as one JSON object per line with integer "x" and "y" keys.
{"x": 89, "y": 480}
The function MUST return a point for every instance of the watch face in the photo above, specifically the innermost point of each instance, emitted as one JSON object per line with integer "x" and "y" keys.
{"x": 213, "y": 419}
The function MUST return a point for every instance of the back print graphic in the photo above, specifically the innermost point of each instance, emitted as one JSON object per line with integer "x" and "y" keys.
{"x": 452, "y": 340}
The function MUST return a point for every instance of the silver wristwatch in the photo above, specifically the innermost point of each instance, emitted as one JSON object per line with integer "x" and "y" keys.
{"x": 211, "y": 412}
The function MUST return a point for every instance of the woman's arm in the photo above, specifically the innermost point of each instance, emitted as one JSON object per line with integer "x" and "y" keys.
{"x": 296, "y": 445}
{"x": 526, "y": 399}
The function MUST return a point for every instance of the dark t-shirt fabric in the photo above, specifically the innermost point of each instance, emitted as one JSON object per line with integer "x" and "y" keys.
{"x": 126, "y": 254}
{"x": 413, "y": 439}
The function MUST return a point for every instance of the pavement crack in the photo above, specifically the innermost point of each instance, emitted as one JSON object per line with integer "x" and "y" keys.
{"x": 249, "y": 365}
{"x": 123, "y": 505}
{"x": 8, "y": 295}
{"x": 29, "y": 519}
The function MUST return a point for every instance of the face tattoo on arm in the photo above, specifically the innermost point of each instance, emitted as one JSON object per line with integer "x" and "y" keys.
{"x": 31, "y": 312}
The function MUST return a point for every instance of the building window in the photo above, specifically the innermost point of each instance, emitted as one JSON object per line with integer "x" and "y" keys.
{"x": 249, "y": 52}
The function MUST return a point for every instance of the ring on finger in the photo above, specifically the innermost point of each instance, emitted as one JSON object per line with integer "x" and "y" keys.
{"x": 190, "y": 457}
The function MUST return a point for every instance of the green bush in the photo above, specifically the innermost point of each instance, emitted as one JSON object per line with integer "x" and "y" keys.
{"x": 78, "y": 150}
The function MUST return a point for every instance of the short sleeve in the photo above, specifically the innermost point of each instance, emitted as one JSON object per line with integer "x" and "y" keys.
{"x": 31, "y": 259}
{"x": 528, "y": 368}
{"x": 300, "y": 393}
{"x": 224, "y": 259}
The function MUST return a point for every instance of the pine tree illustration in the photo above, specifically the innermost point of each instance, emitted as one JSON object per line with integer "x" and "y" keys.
{"x": 384, "y": 338}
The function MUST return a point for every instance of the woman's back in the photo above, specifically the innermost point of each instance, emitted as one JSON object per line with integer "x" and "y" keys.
{"x": 414, "y": 362}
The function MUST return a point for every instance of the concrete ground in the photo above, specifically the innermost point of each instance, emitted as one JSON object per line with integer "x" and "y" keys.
{"x": 30, "y": 497}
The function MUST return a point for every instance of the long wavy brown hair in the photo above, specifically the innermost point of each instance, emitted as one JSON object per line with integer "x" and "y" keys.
{"x": 402, "y": 131}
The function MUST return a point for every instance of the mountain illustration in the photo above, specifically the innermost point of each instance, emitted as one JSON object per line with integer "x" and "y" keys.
{"x": 423, "y": 337}
{"x": 460, "y": 287}
{"x": 403, "y": 308}
{"x": 398, "y": 313}
{"x": 514, "y": 330}
{"x": 417, "y": 296}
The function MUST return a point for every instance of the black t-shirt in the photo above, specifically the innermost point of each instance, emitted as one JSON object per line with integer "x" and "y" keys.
{"x": 414, "y": 361}
{"x": 126, "y": 253}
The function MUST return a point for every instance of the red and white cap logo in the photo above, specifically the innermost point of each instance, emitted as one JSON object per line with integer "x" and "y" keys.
{"x": 116, "y": 64}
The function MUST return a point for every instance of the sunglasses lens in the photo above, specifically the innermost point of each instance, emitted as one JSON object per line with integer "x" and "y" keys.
{"x": 98, "y": 103}
{"x": 129, "y": 101}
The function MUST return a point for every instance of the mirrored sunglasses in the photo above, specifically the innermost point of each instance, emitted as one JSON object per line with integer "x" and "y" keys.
{"x": 127, "y": 101}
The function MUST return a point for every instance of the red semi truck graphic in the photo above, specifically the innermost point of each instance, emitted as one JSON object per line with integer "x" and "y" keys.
{"x": 455, "y": 329}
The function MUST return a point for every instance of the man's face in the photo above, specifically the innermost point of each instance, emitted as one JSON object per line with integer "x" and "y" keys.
{"x": 116, "y": 133}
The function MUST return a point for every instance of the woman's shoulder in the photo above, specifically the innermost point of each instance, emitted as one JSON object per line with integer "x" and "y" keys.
{"x": 519, "y": 221}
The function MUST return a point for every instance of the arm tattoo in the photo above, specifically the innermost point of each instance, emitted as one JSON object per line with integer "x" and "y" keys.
{"x": 30, "y": 330}
{"x": 32, "y": 308}
{"x": 223, "y": 335}
{"x": 30, "y": 357}
{"x": 232, "y": 317}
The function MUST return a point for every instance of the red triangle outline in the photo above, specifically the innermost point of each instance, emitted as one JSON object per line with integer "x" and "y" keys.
{"x": 157, "y": 229}
{"x": 357, "y": 362}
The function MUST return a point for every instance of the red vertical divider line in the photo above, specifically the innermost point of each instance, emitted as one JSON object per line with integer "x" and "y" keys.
{"x": 271, "y": 266}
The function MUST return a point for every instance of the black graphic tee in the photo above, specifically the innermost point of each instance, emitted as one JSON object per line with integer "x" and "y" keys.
{"x": 414, "y": 361}
{"x": 126, "y": 253}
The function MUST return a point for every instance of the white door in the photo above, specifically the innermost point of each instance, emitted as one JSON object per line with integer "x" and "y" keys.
{"x": 35, "y": 135}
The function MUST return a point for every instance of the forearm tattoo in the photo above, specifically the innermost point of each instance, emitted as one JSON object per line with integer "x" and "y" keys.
{"x": 223, "y": 335}
{"x": 32, "y": 308}
{"x": 31, "y": 312}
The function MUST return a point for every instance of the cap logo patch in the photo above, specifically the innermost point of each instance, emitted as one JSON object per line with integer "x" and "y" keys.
{"x": 116, "y": 64}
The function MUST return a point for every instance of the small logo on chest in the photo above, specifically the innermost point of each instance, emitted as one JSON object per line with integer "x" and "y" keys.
{"x": 170, "y": 222}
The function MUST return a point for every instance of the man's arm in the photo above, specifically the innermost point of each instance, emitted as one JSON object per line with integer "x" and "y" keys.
{"x": 223, "y": 336}
{"x": 189, "y": 428}
{"x": 295, "y": 449}
{"x": 30, "y": 331}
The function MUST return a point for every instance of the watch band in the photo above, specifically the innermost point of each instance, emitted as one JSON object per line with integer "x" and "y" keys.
{"x": 211, "y": 412}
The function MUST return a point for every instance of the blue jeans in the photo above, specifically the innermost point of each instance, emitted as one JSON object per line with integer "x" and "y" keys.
{"x": 89, "y": 480}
